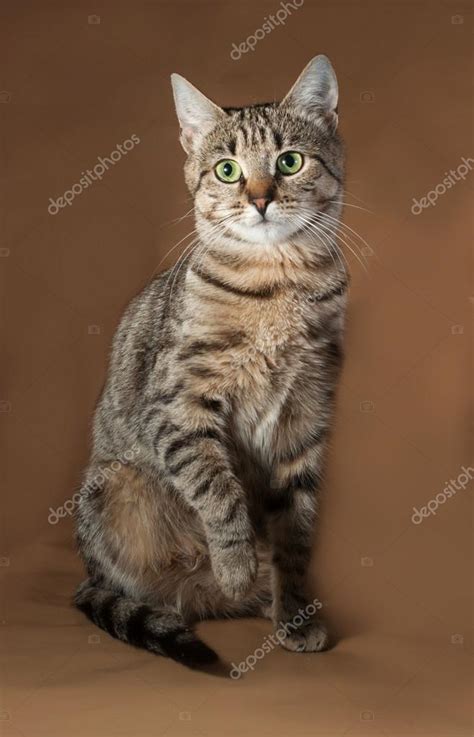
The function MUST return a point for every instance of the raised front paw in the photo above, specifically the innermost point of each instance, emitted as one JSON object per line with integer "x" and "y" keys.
{"x": 309, "y": 638}
{"x": 235, "y": 568}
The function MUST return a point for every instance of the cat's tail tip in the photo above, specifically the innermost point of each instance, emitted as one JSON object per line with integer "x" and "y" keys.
{"x": 188, "y": 649}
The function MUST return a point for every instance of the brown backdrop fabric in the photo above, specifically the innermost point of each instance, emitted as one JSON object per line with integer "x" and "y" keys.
{"x": 79, "y": 79}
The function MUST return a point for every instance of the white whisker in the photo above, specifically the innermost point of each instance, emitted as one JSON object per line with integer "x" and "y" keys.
{"x": 349, "y": 204}
{"x": 333, "y": 231}
{"x": 330, "y": 246}
{"x": 343, "y": 225}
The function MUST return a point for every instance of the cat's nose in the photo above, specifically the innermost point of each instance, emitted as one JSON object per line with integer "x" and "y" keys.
{"x": 261, "y": 203}
{"x": 260, "y": 193}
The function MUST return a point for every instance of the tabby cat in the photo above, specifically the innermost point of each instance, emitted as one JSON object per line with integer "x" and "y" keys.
{"x": 210, "y": 435}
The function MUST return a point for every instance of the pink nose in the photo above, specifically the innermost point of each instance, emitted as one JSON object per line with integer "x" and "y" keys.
{"x": 261, "y": 203}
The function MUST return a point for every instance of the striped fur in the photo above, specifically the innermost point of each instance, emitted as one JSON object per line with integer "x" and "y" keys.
{"x": 222, "y": 380}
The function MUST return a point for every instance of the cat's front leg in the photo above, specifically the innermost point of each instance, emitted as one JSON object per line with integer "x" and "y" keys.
{"x": 195, "y": 457}
{"x": 295, "y": 489}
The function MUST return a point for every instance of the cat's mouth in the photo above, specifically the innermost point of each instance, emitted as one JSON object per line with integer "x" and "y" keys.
{"x": 259, "y": 220}
{"x": 267, "y": 230}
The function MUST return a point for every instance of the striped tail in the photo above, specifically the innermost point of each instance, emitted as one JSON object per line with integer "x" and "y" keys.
{"x": 162, "y": 632}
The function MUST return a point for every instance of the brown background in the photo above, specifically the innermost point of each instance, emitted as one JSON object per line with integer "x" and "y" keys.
{"x": 396, "y": 594}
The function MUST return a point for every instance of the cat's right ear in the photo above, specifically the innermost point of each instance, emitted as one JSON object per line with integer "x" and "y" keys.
{"x": 197, "y": 114}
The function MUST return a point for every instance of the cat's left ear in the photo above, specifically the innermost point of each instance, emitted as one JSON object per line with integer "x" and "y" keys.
{"x": 315, "y": 92}
{"x": 197, "y": 114}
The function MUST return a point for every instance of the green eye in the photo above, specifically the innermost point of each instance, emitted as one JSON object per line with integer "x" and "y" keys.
{"x": 290, "y": 163}
{"x": 228, "y": 171}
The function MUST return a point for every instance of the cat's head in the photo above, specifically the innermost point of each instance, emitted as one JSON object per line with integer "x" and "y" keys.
{"x": 260, "y": 173}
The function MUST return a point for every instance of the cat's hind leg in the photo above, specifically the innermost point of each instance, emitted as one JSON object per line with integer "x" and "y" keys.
{"x": 134, "y": 543}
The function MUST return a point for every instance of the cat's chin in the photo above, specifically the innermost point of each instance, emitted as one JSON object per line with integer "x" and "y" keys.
{"x": 264, "y": 233}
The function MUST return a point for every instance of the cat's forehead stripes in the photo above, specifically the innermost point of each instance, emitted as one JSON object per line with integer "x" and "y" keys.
{"x": 253, "y": 128}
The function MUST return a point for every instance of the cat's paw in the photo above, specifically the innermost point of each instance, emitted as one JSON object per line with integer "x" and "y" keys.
{"x": 235, "y": 570}
{"x": 312, "y": 638}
